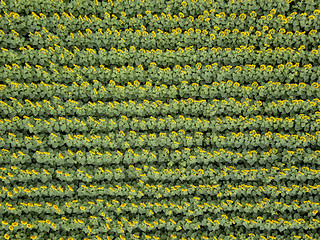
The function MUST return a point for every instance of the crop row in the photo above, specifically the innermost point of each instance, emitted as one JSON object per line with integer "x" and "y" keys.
{"x": 134, "y": 57}
{"x": 132, "y": 8}
{"x": 162, "y": 40}
{"x": 194, "y": 156}
{"x": 208, "y": 227}
{"x": 150, "y": 174}
{"x": 126, "y": 75}
{"x": 56, "y": 107}
{"x": 172, "y": 140}
{"x": 217, "y": 90}
{"x": 62, "y": 23}
{"x": 164, "y": 206}
{"x": 37, "y": 125}
{"x": 146, "y": 191}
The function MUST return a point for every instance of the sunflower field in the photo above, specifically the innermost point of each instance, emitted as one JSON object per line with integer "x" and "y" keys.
{"x": 159, "y": 119}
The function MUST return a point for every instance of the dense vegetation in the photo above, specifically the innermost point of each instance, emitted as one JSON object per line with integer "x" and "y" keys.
{"x": 157, "y": 119}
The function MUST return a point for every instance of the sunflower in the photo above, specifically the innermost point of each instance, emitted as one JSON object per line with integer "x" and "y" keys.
{"x": 235, "y": 31}
{"x": 302, "y": 85}
{"x": 253, "y": 14}
{"x": 289, "y": 64}
{"x": 238, "y": 68}
{"x": 282, "y": 31}
{"x": 272, "y": 31}
{"x": 269, "y": 68}
{"x": 254, "y": 84}
{"x": 233, "y": 15}
{"x": 269, "y": 17}
{"x": 263, "y": 67}
{"x": 238, "y": 50}
{"x": 313, "y": 32}
{"x": 236, "y": 84}
{"x": 222, "y": 34}
{"x": 243, "y": 16}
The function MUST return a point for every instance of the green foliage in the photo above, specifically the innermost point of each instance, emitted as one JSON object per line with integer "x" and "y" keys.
{"x": 186, "y": 119}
